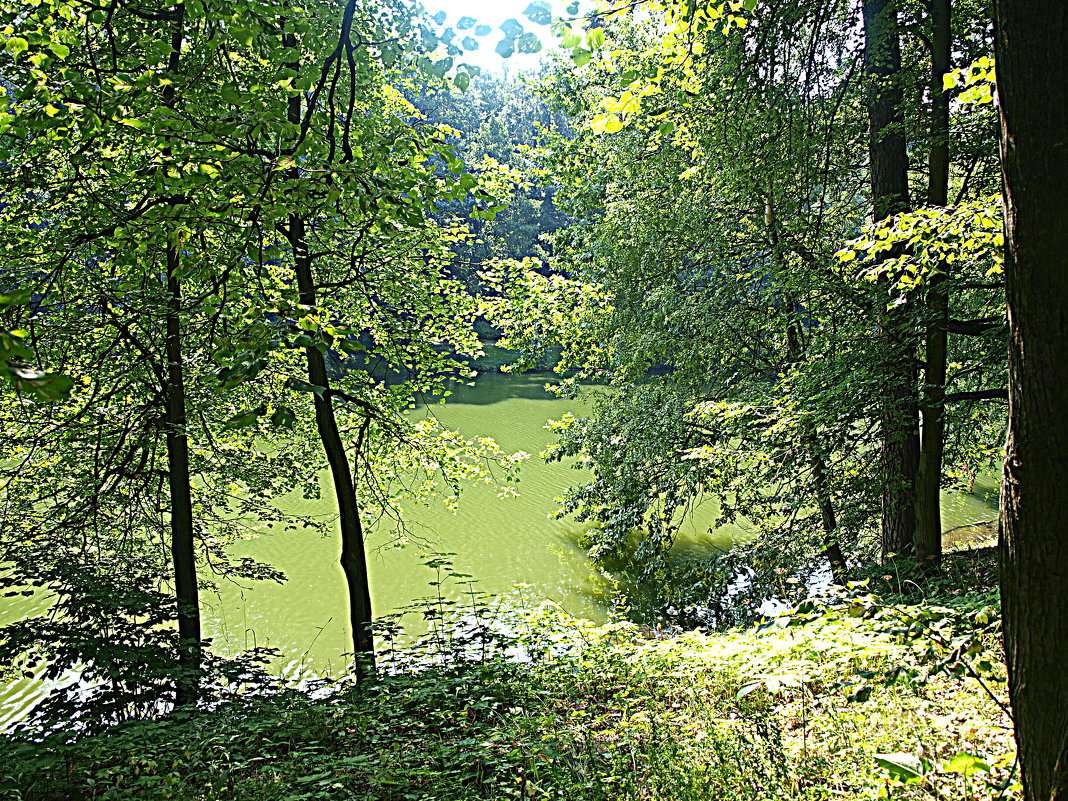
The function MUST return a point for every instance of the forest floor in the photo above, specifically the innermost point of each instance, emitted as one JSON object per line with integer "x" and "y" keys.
{"x": 896, "y": 696}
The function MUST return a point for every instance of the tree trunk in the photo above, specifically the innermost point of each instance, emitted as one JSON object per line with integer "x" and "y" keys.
{"x": 832, "y": 549}
{"x": 890, "y": 195}
{"x": 794, "y": 353}
{"x": 929, "y": 474}
{"x": 183, "y": 549}
{"x": 1031, "y": 43}
{"x": 1059, "y": 789}
{"x": 353, "y": 556}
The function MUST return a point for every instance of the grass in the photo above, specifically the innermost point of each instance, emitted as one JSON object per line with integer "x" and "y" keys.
{"x": 859, "y": 700}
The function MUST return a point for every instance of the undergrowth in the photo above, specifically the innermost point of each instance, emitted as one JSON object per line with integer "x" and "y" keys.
{"x": 850, "y": 700}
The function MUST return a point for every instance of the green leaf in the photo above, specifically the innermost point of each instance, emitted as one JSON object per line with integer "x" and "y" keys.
{"x": 482, "y": 30}
{"x": 304, "y": 386}
{"x": 244, "y": 35}
{"x": 573, "y": 8}
{"x": 581, "y": 56}
{"x": 439, "y": 68}
{"x": 749, "y": 5}
{"x": 11, "y": 347}
{"x": 902, "y": 766}
{"x": 45, "y": 387}
{"x": 466, "y": 22}
{"x": 965, "y": 763}
{"x": 283, "y": 417}
{"x": 539, "y": 12}
{"x": 243, "y": 419}
{"x": 470, "y": 43}
{"x": 748, "y": 688}
{"x": 569, "y": 39}
{"x": 17, "y": 297}
{"x": 529, "y": 43}
{"x": 462, "y": 81}
{"x": 15, "y": 45}
{"x": 59, "y": 50}
{"x": 505, "y": 48}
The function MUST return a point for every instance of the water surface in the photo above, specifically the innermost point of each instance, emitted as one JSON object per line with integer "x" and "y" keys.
{"x": 510, "y": 546}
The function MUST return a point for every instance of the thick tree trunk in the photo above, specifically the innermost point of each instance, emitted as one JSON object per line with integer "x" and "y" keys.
{"x": 1031, "y": 48}
{"x": 890, "y": 195}
{"x": 353, "y": 555}
{"x": 1059, "y": 788}
{"x": 929, "y": 474}
{"x": 183, "y": 546}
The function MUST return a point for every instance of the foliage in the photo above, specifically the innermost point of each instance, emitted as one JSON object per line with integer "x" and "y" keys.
{"x": 619, "y": 713}
{"x": 147, "y": 259}
{"x": 700, "y": 280}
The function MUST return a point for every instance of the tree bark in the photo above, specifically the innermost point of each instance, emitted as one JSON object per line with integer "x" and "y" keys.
{"x": 888, "y": 160}
{"x": 929, "y": 473}
{"x": 832, "y": 547}
{"x": 183, "y": 540}
{"x": 1031, "y": 43}
{"x": 353, "y": 556}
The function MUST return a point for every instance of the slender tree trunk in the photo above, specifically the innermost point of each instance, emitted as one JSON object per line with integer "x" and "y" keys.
{"x": 1032, "y": 71}
{"x": 183, "y": 550}
{"x": 890, "y": 195}
{"x": 832, "y": 549}
{"x": 929, "y": 475}
{"x": 795, "y": 350}
{"x": 353, "y": 556}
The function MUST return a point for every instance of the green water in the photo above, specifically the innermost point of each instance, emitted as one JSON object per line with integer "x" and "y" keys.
{"x": 500, "y": 542}
{"x": 510, "y": 546}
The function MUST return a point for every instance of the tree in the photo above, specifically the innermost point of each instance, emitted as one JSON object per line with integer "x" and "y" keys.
{"x": 888, "y": 165}
{"x": 1031, "y": 40}
{"x": 713, "y": 309}
{"x": 142, "y": 247}
{"x": 928, "y": 536}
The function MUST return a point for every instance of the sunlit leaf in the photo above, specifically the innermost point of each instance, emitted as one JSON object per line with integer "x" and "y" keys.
{"x": 505, "y": 48}
{"x": 902, "y": 766}
{"x": 529, "y": 43}
{"x": 512, "y": 29}
{"x": 539, "y": 12}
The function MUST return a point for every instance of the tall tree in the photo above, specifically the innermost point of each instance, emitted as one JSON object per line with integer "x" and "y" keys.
{"x": 1031, "y": 43}
{"x": 888, "y": 163}
{"x": 183, "y": 528}
{"x": 928, "y": 537}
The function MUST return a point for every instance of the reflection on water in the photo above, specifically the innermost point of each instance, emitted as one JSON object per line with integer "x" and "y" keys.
{"x": 510, "y": 546}
{"x": 501, "y": 543}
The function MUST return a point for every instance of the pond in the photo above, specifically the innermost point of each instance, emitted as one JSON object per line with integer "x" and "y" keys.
{"x": 510, "y": 546}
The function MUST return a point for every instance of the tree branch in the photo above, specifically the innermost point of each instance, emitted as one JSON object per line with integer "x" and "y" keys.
{"x": 978, "y": 395}
{"x": 973, "y": 328}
